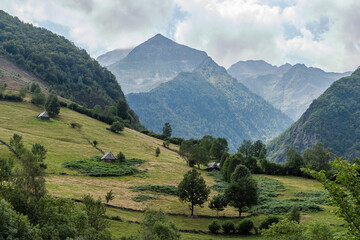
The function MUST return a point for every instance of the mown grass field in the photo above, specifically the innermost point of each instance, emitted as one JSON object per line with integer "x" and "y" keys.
{"x": 66, "y": 144}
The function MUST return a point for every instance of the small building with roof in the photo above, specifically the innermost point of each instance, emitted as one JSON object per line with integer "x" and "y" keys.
{"x": 213, "y": 166}
{"x": 43, "y": 116}
{"x": 108, "y": 157}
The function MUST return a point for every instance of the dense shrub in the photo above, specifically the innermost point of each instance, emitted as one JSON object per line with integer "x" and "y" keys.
{"x": 228, "y": 227}
{"x": 12, "y": 98}
{"x": 214, "y": 226}
{"x": 160, "y": 189}
{"x": 245, "y": 227}
{"x": 95, "y": 167}
{"x": 268, "y": 221}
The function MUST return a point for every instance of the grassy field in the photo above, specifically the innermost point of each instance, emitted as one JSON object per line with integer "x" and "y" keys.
{"x": 66, "y": 144}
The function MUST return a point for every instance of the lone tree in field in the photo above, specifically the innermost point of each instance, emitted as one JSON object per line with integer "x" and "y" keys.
{"x": 109, "y": 196}
{"x": 167, "y": 130}
{"x": 218, "y": 203}
{"x": 117, "y": 126}
{"x": 193, "y": 189}
{"x": 242, "y": 193}
{"x": 52, "y": 105}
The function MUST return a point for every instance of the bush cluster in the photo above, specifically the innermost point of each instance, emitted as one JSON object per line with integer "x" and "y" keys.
{"x": 245, "y": 227}
{"x": 160, "y": 189}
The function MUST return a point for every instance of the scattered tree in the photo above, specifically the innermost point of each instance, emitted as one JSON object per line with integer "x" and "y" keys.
{"x": 218, "y": 203}
{"x": 120, "y": 157}
{"x": 167, "y": 130}
{"x": 193, "y": 189}
{"x": 199, "y": 155}
{"x": 39, "y": 152}
{"x": 95, "y": 143}
{"x": 166, "y": 143}
{"x": 52, "y": 105}
{"x": 245, "y": 227}
{"x": 185, "y": 150}
{"x": 117, "y": 126}
{"x": 246, "y": 148}
{"x": 22, "y": 92}
{"x": 38, "y": 98}
{"x": 285, "y": 230}
{"x": 218, "y": 147}
{"x": 319, "y": 231}
{"x": 2, "y": 88}
{"x": 76, "y": 125}
{"x": 17, "y": 144}
{"x": 109, "y": 196}
{"x": 122, "y": 109}
{"x": 214, "y": 226}
{"x": 318, "y": 158}
{"x": 34, "y": 86}
{"x": 294, "y": 162}
{"x": 157, "y": 151}
{"x": 228, "y": 227}
{"x": 95, "y": 210}
{"x": 242, "y": 193}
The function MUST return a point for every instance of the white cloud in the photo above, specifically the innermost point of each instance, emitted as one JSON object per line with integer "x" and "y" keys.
{"x": 321, "y": 33}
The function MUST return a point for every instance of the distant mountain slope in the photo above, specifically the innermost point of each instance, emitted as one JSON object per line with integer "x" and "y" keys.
{"x": 66, "y": 69}
{"x": 289, "y": 88}
{"x": 153, "y": 62}
{"x": 333, "y": 119}
{"x": 113, "y": 56}
{"x": 209, "y": 101}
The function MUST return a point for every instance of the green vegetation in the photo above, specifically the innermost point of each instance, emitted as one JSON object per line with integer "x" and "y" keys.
{"x": 63, "y": 66}
{"x": 331, "y": 119}
{"x": 52, "y": 105}
{"x": 193, "y": 189}
{"x": 167, "y": 130}
{"x": 160, "y": 189}
{"x": 95, "y": 167}
{"x": 143, "y": 197}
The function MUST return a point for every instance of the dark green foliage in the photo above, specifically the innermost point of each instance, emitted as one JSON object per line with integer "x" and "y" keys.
{"x": 60, "y": 218}
{"x": 185, "y": 150}
{"x": 52, "y": 105}
{"x": 157, "y": 151}
{"x": 95, "y": 210}
{"x": 157, "y": 226}
{"x": 95, "y": 143}
{"x": 246, "y": 148}
{"x": 294, "y": 214}
{"x": 344, "y": 192}
{"x": 11, "y": 98}
{"x": 199, "y": 155}
{"x": 272, "y": 168}
{"x": 122, "y": 109}
{"x": 58, "y": 62}
{"x": 245, "y": 227}
{"x": 268, "y": 221}
{"x": 166, "y": 143}
{"x": 167, "y": 130}
{"x": 75, "y": 125}
{"x": 6, "y": 166}
{"x": 2, "y": 88}
{"x": 193, "y": 189}
{"x": 243, "y": 193}
{"x": 109, "y": 196}
{"x": 160, "y": 189}
{"x": 240, "y": 172}
{"x": 39, "y": 152}
{"x": 317, "y": 197}
{"x": 34, "y": 86}
{"x": 14, "y": 225}
{"x": 230, "y": 164}
{"x": 284, "y": 230}
{"x": 193, "y": 113}
{"x": 218, "y": 147}
{"x": 218, "y": 203}
{"x": 214, "y": 226}
{"x": 259, "y": 149}
{"x": 38, "y": 98}
{"x": 120, "y": 157}
{"x": 228, "y": 227}
{"x": 294, "y": 162}
{"x": 97, "y": 168}
{"x": 318, "y": 158}
{"x": 331, "y": 119}
{"x": 17, "y": 144}
{"x": 117, "y": 126}
{"x": 143, "y": 197}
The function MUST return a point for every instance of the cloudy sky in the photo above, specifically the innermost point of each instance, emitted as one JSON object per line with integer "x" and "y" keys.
{"x": 320, "y": 33}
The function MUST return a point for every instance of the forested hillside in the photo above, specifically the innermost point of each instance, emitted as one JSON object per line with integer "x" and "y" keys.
{"x": 333, "y": 119}
{"x": 209, "y": 101}
{"x": 153, "y": 62}
{"x": 65, "y": 68}
{"x": 289, "y": 88}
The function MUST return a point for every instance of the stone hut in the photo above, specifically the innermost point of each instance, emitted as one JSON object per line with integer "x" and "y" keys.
{"x": 108, "y": 157}
{"x": 43, "y": 116}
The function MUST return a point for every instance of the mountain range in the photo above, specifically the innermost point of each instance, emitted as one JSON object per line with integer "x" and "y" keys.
{"x": 208, "y": 101}
{"x": 290, "y": 88}
{"x": 153, "y": 62}
{"x": 333, "y": 119}
{"x": 113, "y": 56}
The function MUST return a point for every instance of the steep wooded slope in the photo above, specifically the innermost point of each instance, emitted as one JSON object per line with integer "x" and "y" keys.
{"x": 209, "y": 101}
{"x": 333, "y": 119}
